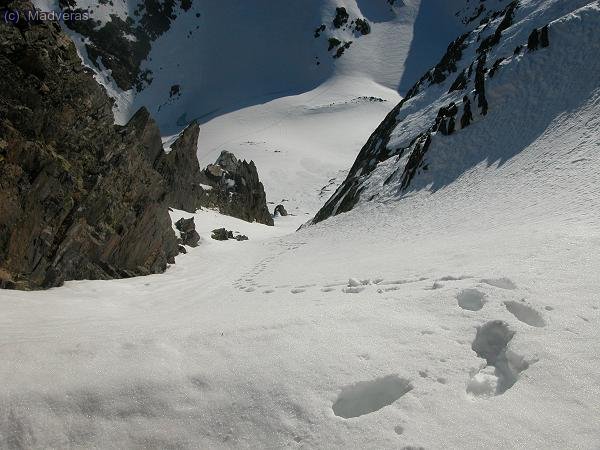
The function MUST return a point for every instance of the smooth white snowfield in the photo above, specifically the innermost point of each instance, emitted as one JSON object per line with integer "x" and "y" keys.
{"x": 465, "y": 314}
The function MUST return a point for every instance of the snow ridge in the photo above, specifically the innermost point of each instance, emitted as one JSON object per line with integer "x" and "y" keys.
{"x": 497, "y": 72}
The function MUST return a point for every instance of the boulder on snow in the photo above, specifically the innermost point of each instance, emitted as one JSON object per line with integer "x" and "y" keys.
{"x": 236, "y": 189}
{"x": 187, "y": 228}
{"x": 222, "y": 234}
{"x": 280, "y": 211}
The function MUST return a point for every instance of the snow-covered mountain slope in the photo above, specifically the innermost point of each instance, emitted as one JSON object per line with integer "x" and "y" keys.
{"x": 465, "y": 319}
{"x": 462, "y": 312}
{"x": 491, "y": 100}
{"x": 260, "y": 77}
{"x": 301, "y": 144}
{"x": 219, "y": 56}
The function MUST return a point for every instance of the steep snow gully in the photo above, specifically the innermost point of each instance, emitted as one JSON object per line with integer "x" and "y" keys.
{"x": 447, "y": 296}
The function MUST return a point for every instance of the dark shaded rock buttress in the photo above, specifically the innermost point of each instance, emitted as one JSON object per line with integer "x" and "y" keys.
{"x": 78, "y": 200}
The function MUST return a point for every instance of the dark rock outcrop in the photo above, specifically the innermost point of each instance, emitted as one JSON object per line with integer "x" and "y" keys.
{"x": 480, "y": 72}
{"x": 181, "y": 171}
{"x": 280, "y": 211}
{"x": 142, "y": 129}
{"x": 362, "y": 26}
{"x": 544, "y": 39}
{"x": 340, "y": 51}
{"x": 467, "y": 116}
{"x": 77, "y": 199}
{"x": 341, "y": 17}
{"x": 333, "y": 42}
{"x": 188, "y": 233}
{"x": 222, "y": 234}
{"x": 319, "y": 30}
{"x": 236, "y": 189}
{"x": 533, "y": 41}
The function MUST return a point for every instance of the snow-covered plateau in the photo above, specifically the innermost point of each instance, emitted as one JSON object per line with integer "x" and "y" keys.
{"x": 459, "y": 311}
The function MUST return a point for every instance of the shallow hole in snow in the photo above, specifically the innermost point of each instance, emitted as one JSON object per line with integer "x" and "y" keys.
{"x": 525, "y": 314}
{"x": 369, "y": 396}
{"x": 471, "y": 299}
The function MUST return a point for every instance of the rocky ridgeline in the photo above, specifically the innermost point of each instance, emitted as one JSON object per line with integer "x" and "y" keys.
{"x": 81, "y": 198}
{"x": 466, "y": 86}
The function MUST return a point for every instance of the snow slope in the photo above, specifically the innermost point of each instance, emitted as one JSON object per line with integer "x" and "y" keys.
{"x": 464, "y": 314}
{"x": 248, "y": 72}
{"x": 282, "y": 339}
{"x": 225, "y": 56}
{"x": 526, "y": 92}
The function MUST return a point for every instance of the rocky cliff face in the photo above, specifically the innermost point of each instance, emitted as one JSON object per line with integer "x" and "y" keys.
{"x": 78, "y": 198}
{"x": 82, "y": 198}
{"x": 181, "y": 171}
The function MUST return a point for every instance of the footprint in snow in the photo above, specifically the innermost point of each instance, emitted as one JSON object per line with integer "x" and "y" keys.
{"x": 525, "y": 313}
{"x": 471, "y": 299}
{"x": 366, "y": 397}
{"x": 503, "y": 366}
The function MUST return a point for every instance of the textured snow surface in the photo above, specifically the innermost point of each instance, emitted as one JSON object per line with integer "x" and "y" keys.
{"x": 272, "y": 342}
{"x": 362, "y": 331}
